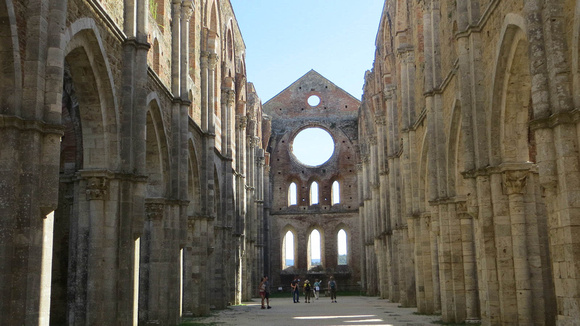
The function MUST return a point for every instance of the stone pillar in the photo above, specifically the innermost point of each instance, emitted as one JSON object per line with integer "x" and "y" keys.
{"x": 468, "y": 248}
{"x": 514, "y": 184}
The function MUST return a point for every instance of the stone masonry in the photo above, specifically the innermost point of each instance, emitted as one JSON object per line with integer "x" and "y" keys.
{"x": 469, "y": 145}
{"x": 131, "y": 164}
{"x": 290, "y": 113}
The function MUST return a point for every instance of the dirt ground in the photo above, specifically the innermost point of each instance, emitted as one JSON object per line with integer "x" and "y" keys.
{"x": 351, "y": 310}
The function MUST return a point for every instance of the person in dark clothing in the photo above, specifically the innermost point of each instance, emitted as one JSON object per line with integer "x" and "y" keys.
{"x": 295, "y": 289}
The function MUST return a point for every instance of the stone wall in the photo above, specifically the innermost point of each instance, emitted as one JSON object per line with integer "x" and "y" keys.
{"x": 291, "y": 113}
{"x": 469, "y": 163}
{"x": 131, "y": 190}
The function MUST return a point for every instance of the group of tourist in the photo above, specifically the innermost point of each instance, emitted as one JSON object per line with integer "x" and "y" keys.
{"x": 310, "y": 290}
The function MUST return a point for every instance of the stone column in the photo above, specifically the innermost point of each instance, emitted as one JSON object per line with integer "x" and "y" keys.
{"x": 514, "y": 184}
{"x": 469, "y": 261}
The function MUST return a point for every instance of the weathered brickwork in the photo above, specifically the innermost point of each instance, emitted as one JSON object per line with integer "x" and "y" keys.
{"x": 132, "y": 166}
{"x": 469, "y": 150}
{"x": 290, "y": 113}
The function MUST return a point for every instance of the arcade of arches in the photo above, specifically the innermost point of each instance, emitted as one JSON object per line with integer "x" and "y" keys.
{"x": 143, "y": 181}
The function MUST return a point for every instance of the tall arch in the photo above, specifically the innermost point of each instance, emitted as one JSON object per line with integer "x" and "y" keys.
{"x": 289, "y": 248}
{"x": 511, "y": 108}
{"x": 314, "y": 193}
{"x": 157, "y": 153}
{"x": 84, "y": 52}
{"x": 315, "y": 248}
{"x": 90, "y": 148}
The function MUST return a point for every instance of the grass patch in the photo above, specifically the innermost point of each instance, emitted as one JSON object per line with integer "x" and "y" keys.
{"x": 424, "y": 314}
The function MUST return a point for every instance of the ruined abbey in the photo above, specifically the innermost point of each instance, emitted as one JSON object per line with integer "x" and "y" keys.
{"x": 143, "y": 181}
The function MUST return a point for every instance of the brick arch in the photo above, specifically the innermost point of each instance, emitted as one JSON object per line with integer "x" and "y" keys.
{"x": 93, "y": 82}
{"x": 511, "y": 109}
{"x": 11, "y": 72}
{"x": 157, "y": 151}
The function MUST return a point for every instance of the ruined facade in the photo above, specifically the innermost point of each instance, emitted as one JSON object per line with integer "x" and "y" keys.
{"x": 469, "y": 149}
{"x": 131, "y": 162}
{"x": 306, "y": 199}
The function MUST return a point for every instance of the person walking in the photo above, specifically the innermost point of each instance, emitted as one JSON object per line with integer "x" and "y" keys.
{"x": 265, "y": 292}
{"x": 332, "y": 287}
{"x": 316, "y": 288}
{"x": 295, "y": 289}
{"x": 307, "y": 291}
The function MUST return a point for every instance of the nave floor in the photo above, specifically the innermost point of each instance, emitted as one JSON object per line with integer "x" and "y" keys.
{"x": 352, "y": 310}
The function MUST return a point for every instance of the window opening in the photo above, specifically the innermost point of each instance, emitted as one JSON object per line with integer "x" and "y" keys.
{"x": 335, "y": 194}
{"x": 313, "y": 100}
{"x": 292, "y": 194}
{"x": 342, "y": 248}
{"x": 288, "y": 250}
{"x": 314, "y": 193}
{"x": 314, "y": 248}
{"x": 313, "y": 146}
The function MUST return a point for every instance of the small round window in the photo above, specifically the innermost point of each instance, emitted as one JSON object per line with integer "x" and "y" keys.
{"x": 313, "y": 146}
{"x": 313, "y": 100}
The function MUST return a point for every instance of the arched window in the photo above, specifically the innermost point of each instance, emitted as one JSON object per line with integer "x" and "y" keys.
{"x": 314, "y": 249}
{"x": 342, "y": 248}
{"x": 335, "y": 194}
{"x": 288, "y": 250}
{"x": 314, "y": 193}
{"x": 292, "y": 194}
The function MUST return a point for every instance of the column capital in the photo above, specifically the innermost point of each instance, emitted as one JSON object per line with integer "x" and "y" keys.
{"x": 514, "y": 181}
{"x": 154, "y": 211}
{"x": 380, "y": 119}
{"x": 242, "y": 122}
{"x": 212, "y": 59}
{"x": 97, "y": 188}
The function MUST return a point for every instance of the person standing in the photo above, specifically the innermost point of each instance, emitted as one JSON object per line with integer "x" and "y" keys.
{"x": 332, "y": 288}
{"x": 295, "y": 289}
{"x": 307, "y": 291}
{"x": 265, "y": 292}
{"x": 316, "y": 288}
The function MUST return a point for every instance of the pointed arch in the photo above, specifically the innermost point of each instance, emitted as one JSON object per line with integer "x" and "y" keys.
{"x": 335, "y": 193}
{"x": 509, "y": 137}
{"x": 292, "y": 194}
{"x": 315, "y": 249}
{"x": 342, "y": 246}
{"x": 314, "y": 193}
{"x": 288, "y": 246}
{"x": 157, "y": 151}
{"x": 454, "y": 152}
{"x": 90, "y": 72}
{"x": 194, "y": 184}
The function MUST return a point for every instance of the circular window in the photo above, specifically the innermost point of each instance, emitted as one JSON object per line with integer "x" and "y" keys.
{"x": 313, "y": 146}
{"x": 313, "y": 100}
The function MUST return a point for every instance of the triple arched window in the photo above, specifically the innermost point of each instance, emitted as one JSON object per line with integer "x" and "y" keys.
{"x": 315, "y": 251}
{"x": 314, "y": 197}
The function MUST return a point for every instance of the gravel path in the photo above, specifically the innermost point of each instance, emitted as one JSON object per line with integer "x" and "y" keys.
{"x": 359, "y": 311}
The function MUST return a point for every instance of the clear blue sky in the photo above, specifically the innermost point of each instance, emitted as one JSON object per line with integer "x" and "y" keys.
{"x": 286, "y": 38}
